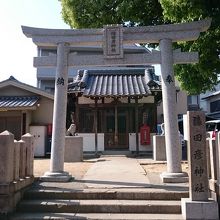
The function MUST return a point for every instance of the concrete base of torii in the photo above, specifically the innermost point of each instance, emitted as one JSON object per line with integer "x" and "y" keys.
{"x": 56, "y": 177}
{"x": 174, "y": 177}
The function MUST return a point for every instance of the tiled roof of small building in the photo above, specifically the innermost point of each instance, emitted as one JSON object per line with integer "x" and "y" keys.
{"x": 115, "y": 83}
{"x": 18, "y": 101}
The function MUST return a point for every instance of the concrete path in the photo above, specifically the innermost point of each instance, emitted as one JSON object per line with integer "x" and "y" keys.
{"x": 116, "y": 172}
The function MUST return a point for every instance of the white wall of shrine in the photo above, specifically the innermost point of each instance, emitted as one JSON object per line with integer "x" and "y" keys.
{"x": 89, "y": 142}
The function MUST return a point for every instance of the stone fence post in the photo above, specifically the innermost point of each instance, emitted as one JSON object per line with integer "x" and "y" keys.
{"x": 22, "y": 170}
{"x": 212, "y": 165}
{"x": 28, "y": 140}
{"x": 6, "y": 170}
{"x": 16, "y": 162}
{"x": 6, "y": 157}
{"x": 217, "y": 153}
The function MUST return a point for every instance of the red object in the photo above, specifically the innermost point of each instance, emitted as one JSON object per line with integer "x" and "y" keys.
{"x": 49, "y": 129}
{"x": 145, "y": 135}
{"x": 213, "y": 134}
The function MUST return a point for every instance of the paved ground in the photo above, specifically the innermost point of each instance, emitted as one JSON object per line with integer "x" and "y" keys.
{"x": 116, "y": 172}
{"x": 111, "y": 172}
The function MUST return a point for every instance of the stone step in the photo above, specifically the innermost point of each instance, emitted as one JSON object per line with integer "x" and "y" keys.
{"x": 121, "y": 194}
{"x": 94, "y": 216}
{"x": 101, "y": 206}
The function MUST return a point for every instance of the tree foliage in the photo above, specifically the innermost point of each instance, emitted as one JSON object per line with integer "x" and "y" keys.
{"x": 96, "y": 13}
{"x": 202, "y": 76}
{"x": 195, "y": 78}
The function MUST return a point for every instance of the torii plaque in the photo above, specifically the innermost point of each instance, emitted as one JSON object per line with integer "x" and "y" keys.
{"x": 166, "y": 57}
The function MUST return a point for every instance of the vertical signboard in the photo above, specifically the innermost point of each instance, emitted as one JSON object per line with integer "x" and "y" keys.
{"x": 112, "y": 43}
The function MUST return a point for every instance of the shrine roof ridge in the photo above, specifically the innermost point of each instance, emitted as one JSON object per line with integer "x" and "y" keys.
{"x": 131, "y": 71}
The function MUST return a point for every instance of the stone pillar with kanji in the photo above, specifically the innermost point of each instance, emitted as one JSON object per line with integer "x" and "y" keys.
{"x": 56, "y": 172}
{"x": 173, "y": 148}
{"x": 198, "y": 205}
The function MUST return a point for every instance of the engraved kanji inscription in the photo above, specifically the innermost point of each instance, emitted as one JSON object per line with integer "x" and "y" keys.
{"x": 197, "y": 137}
{"x": 198, "y": 154}
{"x": 198, "y": 171}
{"x": 169, "y": 79}
{"x": 60, "y": 81}
{"x": 199, "y": 188}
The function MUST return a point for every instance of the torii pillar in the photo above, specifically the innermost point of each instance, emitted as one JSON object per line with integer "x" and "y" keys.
{"x": 56, "y": 173}
{"x": 173, "y": 148}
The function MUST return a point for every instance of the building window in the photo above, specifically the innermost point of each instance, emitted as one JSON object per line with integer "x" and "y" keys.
{"x": 215, "y": 106}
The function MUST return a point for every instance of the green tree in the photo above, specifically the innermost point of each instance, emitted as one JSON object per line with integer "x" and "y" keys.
{"x": 195, "y": 78}
{"x": 202, "y": 76}
{"x": 96, "y": 13}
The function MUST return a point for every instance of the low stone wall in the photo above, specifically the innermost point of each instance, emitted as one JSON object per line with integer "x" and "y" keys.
{"x": 16, "y": 170}
{"x": 73, "y": 149}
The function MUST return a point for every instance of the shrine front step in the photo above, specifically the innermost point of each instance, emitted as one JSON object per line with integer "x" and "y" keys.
{"x": 116, "y": 194}
{"x": 105, "y": 204}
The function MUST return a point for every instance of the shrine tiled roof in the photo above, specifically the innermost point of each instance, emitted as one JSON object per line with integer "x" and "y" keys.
{"x": 18, "y": 101}
{"x": 115, "y": 83}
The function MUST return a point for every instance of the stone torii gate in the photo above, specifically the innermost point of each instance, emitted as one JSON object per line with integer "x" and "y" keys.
{"x": 112, "y": 38}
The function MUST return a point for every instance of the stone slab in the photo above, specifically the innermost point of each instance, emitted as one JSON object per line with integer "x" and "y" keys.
{"x": 159, "y": 148}
{"x": 192, "y": 210}
{"x": 73, "y": 149}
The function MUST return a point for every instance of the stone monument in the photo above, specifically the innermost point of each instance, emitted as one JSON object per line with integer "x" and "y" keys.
{"x": 198, "y": 206}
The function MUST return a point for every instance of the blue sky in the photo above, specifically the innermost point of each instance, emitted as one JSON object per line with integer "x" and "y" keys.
{"x": 17, "y": 51}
